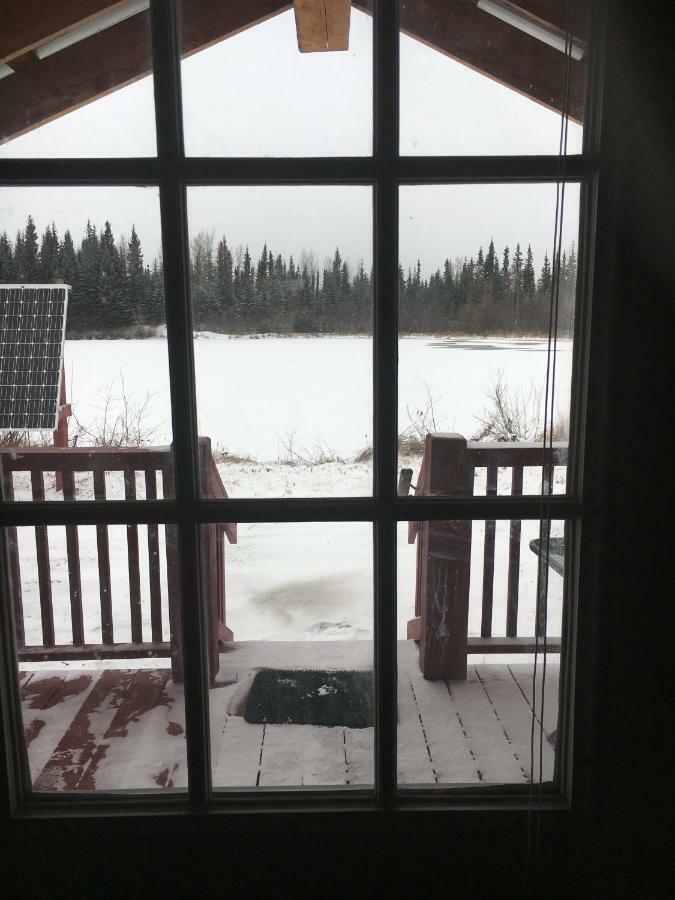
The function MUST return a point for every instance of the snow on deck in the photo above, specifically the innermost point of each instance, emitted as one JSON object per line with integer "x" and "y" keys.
{"x": 117, "y": 729}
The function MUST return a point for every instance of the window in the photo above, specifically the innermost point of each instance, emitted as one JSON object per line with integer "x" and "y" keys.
{"x": 157, "y": 520}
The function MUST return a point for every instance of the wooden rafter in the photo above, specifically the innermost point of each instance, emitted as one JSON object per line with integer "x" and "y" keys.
{"x": 26, "y": 26}
{"x": 483, "y": 43}
{"x": 38, "y": 93}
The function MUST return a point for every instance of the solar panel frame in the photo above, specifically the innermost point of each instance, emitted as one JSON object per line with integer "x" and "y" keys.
{"x": 31, "y": 355}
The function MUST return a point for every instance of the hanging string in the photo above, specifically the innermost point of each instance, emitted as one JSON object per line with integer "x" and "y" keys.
{"x": 547, "y": 472}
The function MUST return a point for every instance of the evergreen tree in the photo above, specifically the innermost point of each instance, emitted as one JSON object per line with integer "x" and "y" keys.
{"x": 544, "y": 286}
{"x": 112, "y": 305}
{"x": 67, "y": 264}
{"x": 19, "y": 255}
{"x": 137, "y": 281}
{"x": 517, "y": 283}
{"x": 85, "y": 304}
{"x": 31, "y": 271}
{"x": 48, "y": 258}
{"x": 6, "y": 260}
{"x": 247, "y": 278}
{"x": 528, "y": 274}
{"x": 224, "y": 286}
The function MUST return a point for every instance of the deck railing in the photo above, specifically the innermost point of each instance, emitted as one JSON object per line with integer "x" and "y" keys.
{"x": 441, "y": 622}
{"x": 130, "y": 463}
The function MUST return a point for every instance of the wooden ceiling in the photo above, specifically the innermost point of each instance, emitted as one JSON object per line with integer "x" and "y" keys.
{"x": 41, "y": 90}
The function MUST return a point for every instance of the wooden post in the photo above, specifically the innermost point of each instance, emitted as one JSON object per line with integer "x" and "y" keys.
{"x": 445, "y": 564}
{"x": 173, "y": 580}
{"x": 61, "y": 433}
{"x": 13, "y": 561}
{"x": 209, "y": 559}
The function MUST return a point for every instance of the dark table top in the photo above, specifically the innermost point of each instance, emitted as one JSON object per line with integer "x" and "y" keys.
{"x": 556, "y": 552}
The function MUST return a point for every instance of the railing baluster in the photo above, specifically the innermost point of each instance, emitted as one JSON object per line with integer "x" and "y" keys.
{"x": 43, "y": 566}
{"x": 173, "y": 580}
{"x": 133, "y": 562}
{"x": 103, "y": 548}
{"x": 73, "y": 552}
{"x": 514, "y": 559}
{"x": 153, "y": 561}
{"x": 14, "y": 564}
{"x": 542, "y": 569}
{"x": 489, "y": 558}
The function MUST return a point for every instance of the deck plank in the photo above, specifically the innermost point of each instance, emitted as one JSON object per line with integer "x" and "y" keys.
{"x": 299, "y": 755}
{"x": 79, "y": 745}
{"x": 414, "y": 761}
{"x": 450, "y": 750}
{"x": 522, "y": 673}
{"x": 516, "y": 718}
{"x": 491, "y": 748}
{"x": 133, "y": 748}
{"x": 49, "y": 701}
{"x": 360, "y": 752}
{"x": 236, "y": 761}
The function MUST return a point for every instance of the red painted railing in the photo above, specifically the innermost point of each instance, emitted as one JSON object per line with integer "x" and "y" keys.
{"x": 444, "y": 554}
{"x": 149, "y": 464}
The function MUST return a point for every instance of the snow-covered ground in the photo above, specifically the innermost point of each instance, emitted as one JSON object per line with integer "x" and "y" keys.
{"x": 303, "y": 581}
{"x": 274, "y": 397}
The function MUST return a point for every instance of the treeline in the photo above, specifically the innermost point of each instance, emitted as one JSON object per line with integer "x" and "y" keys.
{"x": 115, "y": 292}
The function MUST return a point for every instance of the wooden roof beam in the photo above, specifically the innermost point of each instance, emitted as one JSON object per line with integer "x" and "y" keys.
{"x": 37, "y": 94}
{"x": 322, "y": 24}
{"x": 26, "y": 26}
{"x": 111, "y": 59}
{"x": 493, "y": 48}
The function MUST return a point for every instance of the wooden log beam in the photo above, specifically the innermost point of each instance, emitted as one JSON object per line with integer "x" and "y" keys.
{"x": 26, "y": 26}
{"x": 322, "y": 24}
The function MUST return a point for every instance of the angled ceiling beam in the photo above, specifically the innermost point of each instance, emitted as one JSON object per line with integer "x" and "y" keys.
{"x": 26, "y": 26}
{"x": 322, "y": 25}
{"x": 461, "y": 31}
{"x": 37, "y": 94}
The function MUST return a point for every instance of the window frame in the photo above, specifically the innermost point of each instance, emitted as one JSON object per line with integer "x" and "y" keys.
{"x": 173, "y": 172}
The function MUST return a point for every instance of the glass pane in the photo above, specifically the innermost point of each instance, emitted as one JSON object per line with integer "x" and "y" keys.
{"x": 96, "y": 612}
{"x": 248, "y": 89}
{"x": 106, "y": 388}
{"x": 475, "y": 600}
{"x": 476, "y": 288}
{"x": 292, "y": 702}
{"x": 282, "y": 306}
{"x": 74, "y": 88}
{"x": 487, "y": 78}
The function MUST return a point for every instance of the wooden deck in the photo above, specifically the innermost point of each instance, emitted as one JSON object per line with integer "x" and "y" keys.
{"x": 124, "y": 728}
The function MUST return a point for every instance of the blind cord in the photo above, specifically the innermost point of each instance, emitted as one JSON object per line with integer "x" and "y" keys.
{"x": 541, "y": 613}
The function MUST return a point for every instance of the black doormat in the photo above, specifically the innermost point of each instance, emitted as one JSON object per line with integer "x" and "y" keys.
{"x": 308, "y": 697}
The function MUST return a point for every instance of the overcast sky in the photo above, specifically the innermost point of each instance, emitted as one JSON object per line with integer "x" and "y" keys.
{"x": 309, "y": 104}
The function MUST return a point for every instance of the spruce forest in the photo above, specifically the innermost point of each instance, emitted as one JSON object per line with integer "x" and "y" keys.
{"x": 116, "y": 293}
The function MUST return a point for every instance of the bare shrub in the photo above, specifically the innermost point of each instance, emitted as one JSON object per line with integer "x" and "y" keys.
{"x": 421, "y": 421}
{"x": 515, "y": 415}
{"x": 222, "y": 455}
{"x": 121, "y": 422}
{"x": 19, "y": 438}
{"x": 293, "y": 453}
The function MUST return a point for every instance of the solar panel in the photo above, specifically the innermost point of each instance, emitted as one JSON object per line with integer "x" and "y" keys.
{"x": 32, "y": 331}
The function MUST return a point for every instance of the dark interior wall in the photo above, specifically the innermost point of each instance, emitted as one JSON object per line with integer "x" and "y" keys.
{"x": 636, "y": 702}
{"x": 614, "y": 851}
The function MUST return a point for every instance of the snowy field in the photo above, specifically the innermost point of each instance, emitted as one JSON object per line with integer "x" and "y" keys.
{"x": 307, "y": 581}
